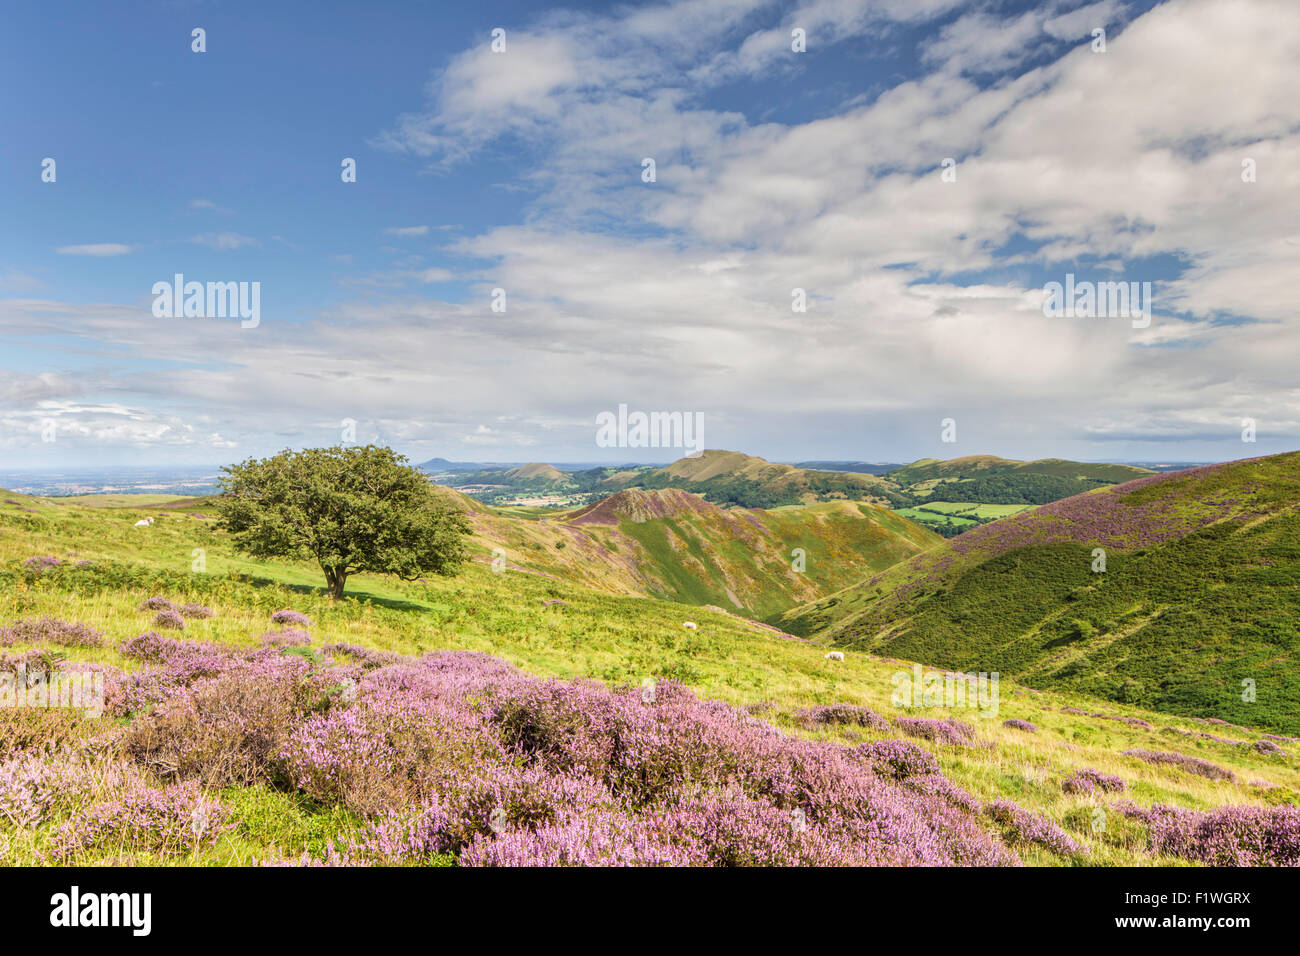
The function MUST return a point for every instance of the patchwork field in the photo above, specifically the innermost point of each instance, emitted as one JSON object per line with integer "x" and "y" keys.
{"x": 954, "y": 517}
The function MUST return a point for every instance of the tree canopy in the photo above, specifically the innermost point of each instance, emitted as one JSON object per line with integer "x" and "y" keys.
{"x": 352, "y": 509}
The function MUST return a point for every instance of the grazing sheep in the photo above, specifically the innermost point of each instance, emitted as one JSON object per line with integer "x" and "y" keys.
{"x": 691, "y": 625}
{"x": 835, "y": 656}
{"x": 144, "y": 522}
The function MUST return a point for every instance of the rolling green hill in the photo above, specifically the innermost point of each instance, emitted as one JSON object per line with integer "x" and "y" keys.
{"x": 537, "y": 470}
{"x": 732, "y": 478}
{"x": 988, "y": 466}
{"x": 550, "y": 626}
{"x": 674, "y": 544}
{"x": 1200, "y": 593}
{"x": 687, "y": 549}
{"x": 954, "y": 496}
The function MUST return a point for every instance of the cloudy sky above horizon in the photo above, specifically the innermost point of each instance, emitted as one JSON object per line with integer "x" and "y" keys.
{"x": 775, "y": 170}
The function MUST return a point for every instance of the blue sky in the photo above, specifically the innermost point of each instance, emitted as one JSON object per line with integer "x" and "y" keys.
{"x": 521, "y": 170}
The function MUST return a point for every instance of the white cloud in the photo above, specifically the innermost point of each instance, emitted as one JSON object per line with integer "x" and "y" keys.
{"x": 224, "y": 241}
{"x": 1112, "y": 158}
{"x": 97, "y": 249}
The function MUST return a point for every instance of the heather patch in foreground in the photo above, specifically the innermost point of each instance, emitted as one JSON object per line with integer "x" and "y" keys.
{"x": 359, "y": 757}
{"x": 1202, "y": 768}
{"x": 459, "y": 756}
{"x": 1021, "y": 826}
{"x": 1228, "y": 836}
{"x": 50, "y": 630}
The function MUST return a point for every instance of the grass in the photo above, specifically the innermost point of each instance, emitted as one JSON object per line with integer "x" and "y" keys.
{"x": 593, "y": 634}
{"x": 1200, "y": 595}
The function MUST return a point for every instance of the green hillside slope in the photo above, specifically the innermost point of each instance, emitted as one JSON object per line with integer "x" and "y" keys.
{"x": 95, "y": 568}
{"x": 1198, "y": 605}
{"x": 753, "y": 561}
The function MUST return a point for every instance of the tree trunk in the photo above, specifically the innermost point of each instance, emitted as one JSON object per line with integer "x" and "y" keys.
{"x": 335, "y": 578}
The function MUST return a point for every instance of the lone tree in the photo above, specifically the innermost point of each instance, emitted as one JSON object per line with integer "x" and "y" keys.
{"x": 351, "y": 508}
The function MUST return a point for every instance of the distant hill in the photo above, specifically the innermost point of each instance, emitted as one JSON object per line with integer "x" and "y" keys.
{"x": 956, "y": 495}
{"x": 536, "y": 470}
{"x": 670, "y": 543}
{"x": 988, "y": 466}
{"x": 1201, "y": 591}
{"x": 857, "y": 467}
{"x": 733, "y": 478}
{"x": 442, "y": 465}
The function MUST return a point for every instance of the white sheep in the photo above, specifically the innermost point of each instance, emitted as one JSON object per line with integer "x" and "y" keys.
{"x": 835, "y": 656}
{"x": 144, "y": 522}
{"x": 691, "y": 625}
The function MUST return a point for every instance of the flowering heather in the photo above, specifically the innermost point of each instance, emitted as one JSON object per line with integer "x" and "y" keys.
{"x": 41, "y": 562}
{"x": 38, "y": 784}
{"x": 226, "y": 728}
{"x": 288, "y": 616}
{"x": 169, "y": 620}
{"x": 183, "y": 659}
{"x": 1015, "y": 723}
{"x": 157, "y": 603}
{"x": 1024, "y": 827}
{"x": 33, "y": 661}
{"x": 1202, "y": 735}
{"x": 952, "y": 732}
{"x": 289, "y": 637}
{"x": 581, "y": 772}
{"x": 197, "y": 611}
{"x": 176, "y": 820}
{"x": 25, "y": 790}
{"x": 460, "y": 756}
{"x": 1131, "y": 721}
{"x": 940, "y": 786}
{"x": 1228, "y": 836}
{"x": 364, "y": 656}
{"x": 1268, "y": 747}
{"x": 1087, "y": 780}
{"x": 844, "y": 714}
{"x": 1116, "y": 517}
{"x": 37, "y": 730}
{"x": 1202, "y": 768}
{"x": 899, "y": 758}
{"x": 52, "y": 631}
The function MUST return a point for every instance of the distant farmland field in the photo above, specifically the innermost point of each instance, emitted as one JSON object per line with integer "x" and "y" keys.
{"x": 953, "y": 517}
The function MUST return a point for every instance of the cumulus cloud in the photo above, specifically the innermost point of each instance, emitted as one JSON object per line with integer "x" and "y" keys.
{"x": 924, "y": 294}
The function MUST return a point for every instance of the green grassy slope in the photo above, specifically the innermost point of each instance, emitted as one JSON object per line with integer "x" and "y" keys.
{"x": 1200, "y": 593}
{"x": 986, "y": 466}
{"x": 691, "y": 551}
{"x": 729, "y": 477}
{"x": 590, "y": 633}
